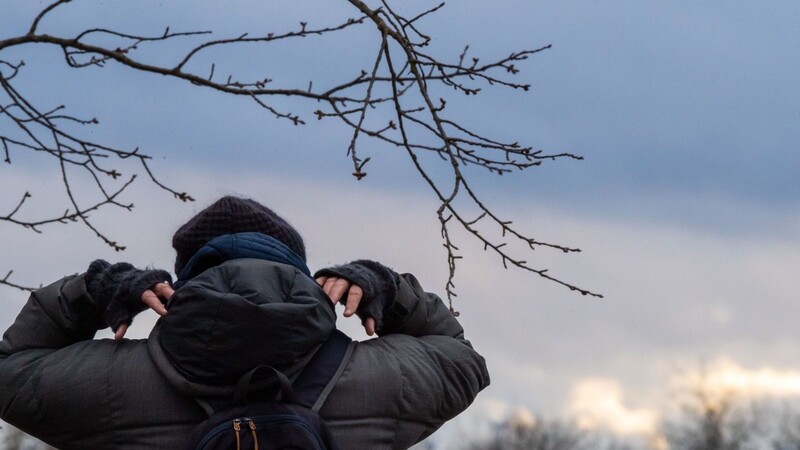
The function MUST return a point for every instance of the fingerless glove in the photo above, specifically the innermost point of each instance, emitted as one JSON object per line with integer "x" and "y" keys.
{"x": 117, "y": 289}
{"x": 378, "y": 282}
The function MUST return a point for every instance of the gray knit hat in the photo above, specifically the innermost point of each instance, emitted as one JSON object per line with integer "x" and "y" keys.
{"x": 230, "y": 215}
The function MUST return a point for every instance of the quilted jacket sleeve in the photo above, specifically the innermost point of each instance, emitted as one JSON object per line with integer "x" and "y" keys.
{"x": 59, "y": 384}
{"x": 55, "y": 317}
{"x": 404, "y": 385}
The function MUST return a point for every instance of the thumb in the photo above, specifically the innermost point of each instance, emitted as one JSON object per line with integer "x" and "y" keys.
{"x": 120, "y": 333}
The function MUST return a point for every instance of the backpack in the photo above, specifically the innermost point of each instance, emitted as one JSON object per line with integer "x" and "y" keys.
{"x": 285, "y": 415}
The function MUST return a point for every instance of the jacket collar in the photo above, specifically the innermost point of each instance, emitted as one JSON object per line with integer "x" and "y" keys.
{"x": 239, "y": 245}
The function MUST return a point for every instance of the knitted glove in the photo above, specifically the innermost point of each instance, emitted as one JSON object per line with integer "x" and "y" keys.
{"x": 117, "y": 289}
{"x": 378, "y": 282}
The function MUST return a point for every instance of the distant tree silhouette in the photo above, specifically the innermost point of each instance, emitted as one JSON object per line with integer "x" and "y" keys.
{"x": 541, "y": 434}
{"x": 788, "y": 435}
{"x": 715, "y": 418}
{"x": 710, "y": 418}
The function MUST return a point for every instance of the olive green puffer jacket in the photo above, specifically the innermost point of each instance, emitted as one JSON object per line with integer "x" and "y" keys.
{"x": 73, "y": 392}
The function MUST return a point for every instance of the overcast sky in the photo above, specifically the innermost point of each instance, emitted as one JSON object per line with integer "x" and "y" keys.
{"x": 687, "y": 206}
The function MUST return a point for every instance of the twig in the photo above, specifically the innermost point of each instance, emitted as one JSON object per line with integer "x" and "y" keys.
{"x": 419, "y": 123}
{"x": 4, "y": 281}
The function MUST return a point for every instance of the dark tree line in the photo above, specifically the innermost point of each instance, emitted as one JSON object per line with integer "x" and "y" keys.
{"x": 708, "y": 419}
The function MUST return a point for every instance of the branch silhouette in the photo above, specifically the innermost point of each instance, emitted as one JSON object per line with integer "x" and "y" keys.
{"x": 400, "y": 81}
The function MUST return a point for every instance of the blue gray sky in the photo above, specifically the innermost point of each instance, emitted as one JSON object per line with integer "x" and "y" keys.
{"x": 687, "y": 205}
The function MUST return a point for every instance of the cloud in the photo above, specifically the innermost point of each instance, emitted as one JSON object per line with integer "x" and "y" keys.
{"x": 497, "y": 410}
{"x": 724, "y": 376}
{"x": 603, "y": 402}
{"x": 600, "y": 403}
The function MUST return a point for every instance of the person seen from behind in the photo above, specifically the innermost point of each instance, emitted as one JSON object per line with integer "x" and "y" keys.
{"x": 243, "y": 297}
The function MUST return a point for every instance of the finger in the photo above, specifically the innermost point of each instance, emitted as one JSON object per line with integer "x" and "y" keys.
{"x": 163, "y": 290}
{"x": 353, "y": 300}
{"x": 370, "y": 326}
{"x": 340, "y": 286}
{"x": 121, "y": 332}
{"x": 321, "y": 280}
{"x": 150, "y": 299}
{"x": 328, "y": 286}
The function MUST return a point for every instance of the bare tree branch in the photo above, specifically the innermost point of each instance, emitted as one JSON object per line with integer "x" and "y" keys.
{"x": 402, "y": 81}
{"x": 5, "y": 281}
{"x": 459, "y": 150}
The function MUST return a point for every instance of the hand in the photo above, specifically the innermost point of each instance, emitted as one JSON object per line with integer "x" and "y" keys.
{"x": 335, "y": 287}
{"x": 154, "y": 298}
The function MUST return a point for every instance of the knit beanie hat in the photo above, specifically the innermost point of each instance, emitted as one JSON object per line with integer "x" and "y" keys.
{"x": 230, "y": 215}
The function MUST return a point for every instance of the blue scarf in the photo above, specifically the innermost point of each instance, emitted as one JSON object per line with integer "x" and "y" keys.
{"x": 239, "y": 245}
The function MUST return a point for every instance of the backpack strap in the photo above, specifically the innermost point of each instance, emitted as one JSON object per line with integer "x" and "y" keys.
{"x": 310, "y": 389}
{"x": 206, "y": 405}
{"x": 276, "y": 382}
{"x": 318, "y": 378}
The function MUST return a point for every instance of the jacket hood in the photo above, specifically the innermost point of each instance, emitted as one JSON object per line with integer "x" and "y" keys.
{"x": 238, "y": 315}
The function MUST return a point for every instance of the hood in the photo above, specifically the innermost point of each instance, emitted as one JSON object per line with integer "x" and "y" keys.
{"x": 238, "y": 315}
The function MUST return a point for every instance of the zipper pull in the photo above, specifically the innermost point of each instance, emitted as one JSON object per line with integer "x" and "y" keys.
{"x": 253, "y": 430}
{"x": 237, "y": 426}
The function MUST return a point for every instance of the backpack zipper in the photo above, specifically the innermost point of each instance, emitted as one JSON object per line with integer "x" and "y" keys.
{"x": 252, "y": 425}
{"x": 280, "y": 418}
{"x": 237, "y": 425}
{"x": 263, "y": 419}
